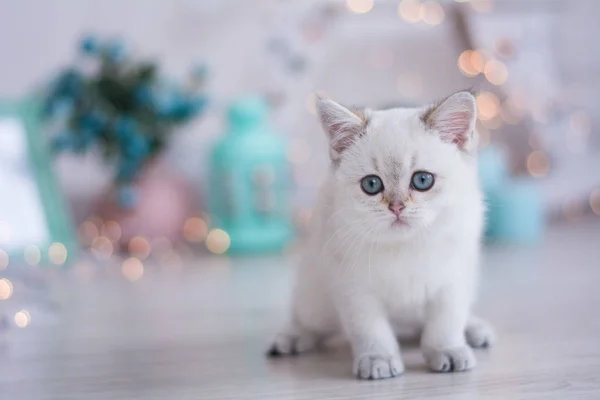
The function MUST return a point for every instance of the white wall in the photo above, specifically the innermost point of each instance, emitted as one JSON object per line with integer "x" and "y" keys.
{"x": 37, "y": 37}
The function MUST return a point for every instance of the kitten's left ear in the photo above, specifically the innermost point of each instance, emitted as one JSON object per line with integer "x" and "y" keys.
{"x": 342, "y": 125}
{"x": 454, "y": 120}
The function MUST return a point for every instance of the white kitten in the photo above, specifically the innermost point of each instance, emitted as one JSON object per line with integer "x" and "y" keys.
{"x": 395, "y": 239}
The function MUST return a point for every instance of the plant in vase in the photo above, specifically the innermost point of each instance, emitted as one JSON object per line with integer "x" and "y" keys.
{"x": 126, "y": 111}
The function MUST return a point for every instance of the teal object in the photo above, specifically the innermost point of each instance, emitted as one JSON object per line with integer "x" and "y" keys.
{"x": 37, "y": 161}
{"x": 516, "y": 213}
{"x": 493, "y": 169}
{"x": 493, "y": 174}
{"x": 250, "y": 181}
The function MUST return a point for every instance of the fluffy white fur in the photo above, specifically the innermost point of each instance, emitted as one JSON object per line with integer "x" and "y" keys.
{"x": 371, "y": 277}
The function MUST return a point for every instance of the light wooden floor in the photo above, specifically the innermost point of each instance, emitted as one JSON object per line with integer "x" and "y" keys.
{"x": 200, "y": 333}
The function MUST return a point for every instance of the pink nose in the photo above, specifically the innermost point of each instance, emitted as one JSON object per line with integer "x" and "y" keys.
{"x": 396, "y": 208}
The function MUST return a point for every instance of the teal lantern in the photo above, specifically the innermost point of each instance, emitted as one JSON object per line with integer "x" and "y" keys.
{"x": 250, "y": 182}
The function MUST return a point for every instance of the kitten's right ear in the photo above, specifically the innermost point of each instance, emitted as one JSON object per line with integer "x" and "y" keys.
{"x": 341, "y": 125}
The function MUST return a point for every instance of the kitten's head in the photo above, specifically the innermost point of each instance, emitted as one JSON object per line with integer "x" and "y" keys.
{"x": 397, "y": 172}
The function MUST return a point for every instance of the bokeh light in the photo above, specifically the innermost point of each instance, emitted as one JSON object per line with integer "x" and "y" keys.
{"x": 32, "y": 254}
{"x": 112, "y": 230}
{"x": 538, "y": 164}
{"x": 102, "y": 248}
{"x": 487, "y": 106}
{"x": 132, "y": 269}
{"x": 360, "y": 6}
{"x": 217, "y": 241}
{"x": 410, "y": 10}
{"x": 495, "y": 72}
{"x": 4, "y": 259}
{"x": 195, "y": 230}
{"x": 87, "y": 233}
{"x": 477, "y": 59}
{"x": 595, "y": 201}
{"x": 505, "y": 48}
{"x": 482, "y": 5}
{"x": 22, "y": 318}
{"x": 493, "y": 123}
{"x": 96, "y": 220}
{"x": 57, "y": 253}
{"x": 139, "y": 247}
{"x": 464, "y": 64}
{"x": 432, "y": 13}
{"x": 6, "y": 289}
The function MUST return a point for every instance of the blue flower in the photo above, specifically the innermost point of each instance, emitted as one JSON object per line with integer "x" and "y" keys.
{"x": 88, "y": 137}
{"x": 200, "y": 72}
{"x": 89, "y": 45}
{"x": 58, "y": 107}
{"x": 137, "y": 147}
{"x": 93, "y": 122}
{"x": 69, "y": 84}
{"x": 65, "y": 141}
{"x": 199, "y": 103}
{"x": 182, "y": 109}
{"x": 127, "y": 196}
{"x": 116, "y": 51}
{"x": 166, "y": 103}
{"x": 62, "y": 107}
{"x": 186, "y": 107}
{"x": 126, "y": 126}
{"x": 144, "y": 96}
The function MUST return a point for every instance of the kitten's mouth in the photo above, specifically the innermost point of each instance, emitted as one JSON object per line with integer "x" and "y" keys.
{"x": 399, "y": 223}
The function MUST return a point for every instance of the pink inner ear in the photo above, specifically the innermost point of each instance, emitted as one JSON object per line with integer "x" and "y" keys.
{"x": 342, "y": 141}
{"x": 454, "y": 128}
{"x": 453, "y": 119}
{"x": 343, "y": 132}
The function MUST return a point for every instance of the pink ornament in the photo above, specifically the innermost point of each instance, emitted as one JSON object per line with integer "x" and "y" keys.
{"x": 163, "y": 202}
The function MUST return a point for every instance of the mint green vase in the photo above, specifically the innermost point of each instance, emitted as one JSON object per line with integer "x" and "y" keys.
{"x": 250, "y": 182}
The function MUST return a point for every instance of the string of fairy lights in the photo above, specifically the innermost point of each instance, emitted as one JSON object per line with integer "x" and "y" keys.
{"x": 102, "y": 240}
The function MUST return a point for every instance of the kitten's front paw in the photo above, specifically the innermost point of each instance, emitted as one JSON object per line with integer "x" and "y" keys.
{"x": 377, "y": 366}
{"x": 286, "y": 344}
{"x": 450, "y": 360}
{"x": 479, "y": 334}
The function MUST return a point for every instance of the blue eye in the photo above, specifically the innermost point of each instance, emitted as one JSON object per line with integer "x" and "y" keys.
{"x": 422, "y": 181}
{"x": 371, "y": 185}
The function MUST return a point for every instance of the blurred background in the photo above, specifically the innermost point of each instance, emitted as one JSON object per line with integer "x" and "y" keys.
{"x": 158, "y": 132}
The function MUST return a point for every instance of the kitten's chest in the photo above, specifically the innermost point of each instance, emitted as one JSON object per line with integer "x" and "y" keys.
{"x": 404, "y": 284}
